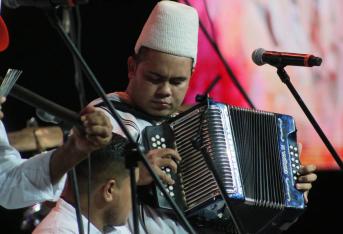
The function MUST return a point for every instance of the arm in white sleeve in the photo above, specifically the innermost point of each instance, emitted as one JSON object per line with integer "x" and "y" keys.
{"x": 24, "y": 182}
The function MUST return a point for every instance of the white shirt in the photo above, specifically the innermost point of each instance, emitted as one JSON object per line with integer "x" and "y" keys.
{"x": 24, "y": 182}
{"x": 62, "y": 219}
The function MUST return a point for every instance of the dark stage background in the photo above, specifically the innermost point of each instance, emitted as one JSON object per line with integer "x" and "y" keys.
{"x": 110, "y": 29}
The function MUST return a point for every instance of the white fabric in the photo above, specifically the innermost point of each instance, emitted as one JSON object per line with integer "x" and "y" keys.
{"x": 134, "y": 125}
{"x": 171, "y": 28}
{"x": 155, "y": 221}
{"x": 62, "y": 219}
{"x": 24, "y": 182}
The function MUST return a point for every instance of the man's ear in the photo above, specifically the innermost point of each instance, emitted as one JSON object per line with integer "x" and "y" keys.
{"x": 109, "y": 190}
{"x": 131, "y": 67}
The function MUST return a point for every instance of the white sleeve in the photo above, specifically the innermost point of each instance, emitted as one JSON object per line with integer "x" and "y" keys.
{"x": 24, "y": 182}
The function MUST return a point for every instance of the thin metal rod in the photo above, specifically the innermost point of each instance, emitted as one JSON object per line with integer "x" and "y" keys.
{"x": 286, "y": 80}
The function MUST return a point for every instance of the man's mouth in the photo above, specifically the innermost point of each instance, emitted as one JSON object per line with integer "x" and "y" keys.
{"x": 162, "y": 104}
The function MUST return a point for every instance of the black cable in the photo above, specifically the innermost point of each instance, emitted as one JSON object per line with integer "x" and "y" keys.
{"x": 75, "y": 187}
{"x": 76, "y": 36}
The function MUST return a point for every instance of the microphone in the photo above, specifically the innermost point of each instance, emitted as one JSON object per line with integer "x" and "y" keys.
{"x": 282, "y": 59}
{"x": 42, "y": 3}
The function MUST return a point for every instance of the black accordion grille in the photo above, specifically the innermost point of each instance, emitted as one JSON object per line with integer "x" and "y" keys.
{"x": 255, "y": 135}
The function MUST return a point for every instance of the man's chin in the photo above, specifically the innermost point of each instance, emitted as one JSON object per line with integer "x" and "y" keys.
{"x": 160, "y": 113}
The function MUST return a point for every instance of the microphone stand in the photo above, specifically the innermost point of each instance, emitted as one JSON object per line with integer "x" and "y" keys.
{"x": 285, "y": 79}
{"x": 55, "y": 22}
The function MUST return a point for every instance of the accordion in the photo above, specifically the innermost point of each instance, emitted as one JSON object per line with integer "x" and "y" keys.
{"x": 255, "y": 153}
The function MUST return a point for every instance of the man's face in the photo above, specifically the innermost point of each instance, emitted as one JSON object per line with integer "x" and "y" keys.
{"x": 120, "y": 208}
{"x": 122, "y": 203}
{"x": 159, "y": 82}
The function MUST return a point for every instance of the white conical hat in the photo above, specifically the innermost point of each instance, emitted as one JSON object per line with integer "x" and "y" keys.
{"x": 172, "y": 28}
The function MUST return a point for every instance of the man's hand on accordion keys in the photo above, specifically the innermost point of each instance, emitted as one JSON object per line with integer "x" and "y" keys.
{"x": 306, "y": 177}
{"x": 159, "y": 158}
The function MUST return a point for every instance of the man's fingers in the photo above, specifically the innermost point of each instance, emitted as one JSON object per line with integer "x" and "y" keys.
{"x": 95, "y": 118}
{"x": 167, "y": 162}
{"x": 97, "y": 130}
{"x": 98, "y": 141}
{"x": 307, "y": 178}
{"x": 306, "y": 196}
{"x": 303, "y": 186}
{"x": 165, "y": 153}
{"x": 165, "y": 177}
{"x": 307, "y": 169}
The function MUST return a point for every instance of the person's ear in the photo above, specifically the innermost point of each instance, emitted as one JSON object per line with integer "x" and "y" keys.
{"x": 131, "y": 67}
{"x": 109, "y": 190}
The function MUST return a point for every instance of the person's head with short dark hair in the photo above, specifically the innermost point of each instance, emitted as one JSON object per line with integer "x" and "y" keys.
{"x": 106, "y": 163}
{"x": 110, "y": 193}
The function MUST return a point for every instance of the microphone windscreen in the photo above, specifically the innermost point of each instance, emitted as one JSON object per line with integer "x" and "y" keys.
{"x": 257, "y": 56}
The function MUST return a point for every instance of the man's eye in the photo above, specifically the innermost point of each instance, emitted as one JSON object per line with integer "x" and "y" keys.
{"x": 176, "y": 82}
{"x": 152, "y": 79}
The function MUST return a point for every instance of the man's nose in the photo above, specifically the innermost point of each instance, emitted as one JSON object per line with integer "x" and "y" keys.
{"x": 164, "y": 89}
